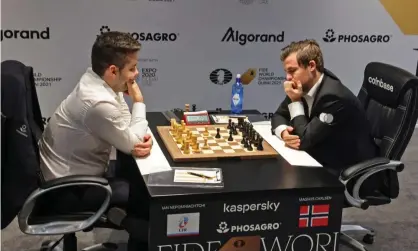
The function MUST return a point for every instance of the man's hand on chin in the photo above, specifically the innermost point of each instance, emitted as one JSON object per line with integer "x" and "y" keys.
{"x": 143, "y": 149}
{"x": 293, "y": 90}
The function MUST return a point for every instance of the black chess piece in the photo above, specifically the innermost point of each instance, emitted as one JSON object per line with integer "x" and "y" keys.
{"x": 234, "y": 130}
{"x": 229, "y": 124}
{"x": 260, "y": 144}
{"x": 257, "y": 136}
{"x": 253, "y": 139}
{"x": 218, "y": 134}
{"x": 230, "y": 136}
{"x": 243, "y": 140}
{"x": 194, "y": 107}
{"x": 250, "y": 147}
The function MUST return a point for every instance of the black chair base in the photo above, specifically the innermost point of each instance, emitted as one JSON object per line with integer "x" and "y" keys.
{"x": 69, "y": 243}
{"x": 347, "y": 240}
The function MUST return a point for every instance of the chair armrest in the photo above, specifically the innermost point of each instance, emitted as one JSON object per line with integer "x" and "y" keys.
{"x": 62, "y": 227}
{"x": 365, "y": 170}
{"x": 361, "y": 167}
{"x": 75, "y": 179}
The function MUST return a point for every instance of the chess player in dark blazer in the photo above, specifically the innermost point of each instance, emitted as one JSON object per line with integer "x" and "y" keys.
{"x": 319, "y": 114}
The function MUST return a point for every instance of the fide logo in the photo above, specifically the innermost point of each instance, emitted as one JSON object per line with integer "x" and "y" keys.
{"x": 220, "y": 76}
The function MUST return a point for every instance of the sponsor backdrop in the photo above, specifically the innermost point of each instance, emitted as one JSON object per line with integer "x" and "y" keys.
{"x": 192, "y": 49}
{"x": 280, "y": 221}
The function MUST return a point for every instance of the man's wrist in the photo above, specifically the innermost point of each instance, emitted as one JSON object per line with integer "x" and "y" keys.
{"x": 137, "y": 99}
{"x": 296, "y": 99}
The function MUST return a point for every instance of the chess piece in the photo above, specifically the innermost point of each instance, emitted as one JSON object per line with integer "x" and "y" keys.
{"x": 206, "y": 132}
{"x": 230, "y": 136}
{"x": 186, "y": 147}
{"x": 183, "y": 143}
{"x": 218, "y": 134}
{"x": 172, "y": 121}
{"x": 194, "y": 107}
{"x": 260, "y": 144}
{"x": 187, "y": 108}
{"x": 229, "y": 124}
{"x": 205, "y": 145}
{"x": 234, "y": 130}
{"x": 243, "y": 140}
{"x": 250, "y": 147}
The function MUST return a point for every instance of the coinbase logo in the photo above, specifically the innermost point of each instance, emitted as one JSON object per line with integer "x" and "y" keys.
{"x": 379, "y": 83}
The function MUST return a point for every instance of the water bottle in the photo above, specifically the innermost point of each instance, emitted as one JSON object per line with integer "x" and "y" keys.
{"x": 237, "y": 96}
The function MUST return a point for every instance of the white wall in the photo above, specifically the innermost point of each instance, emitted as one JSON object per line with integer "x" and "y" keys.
{"x": 183, "y": 66}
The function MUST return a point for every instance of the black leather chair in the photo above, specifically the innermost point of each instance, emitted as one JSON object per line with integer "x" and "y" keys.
{"x": 39, "y": 214}
{"x": 390, "y": 96}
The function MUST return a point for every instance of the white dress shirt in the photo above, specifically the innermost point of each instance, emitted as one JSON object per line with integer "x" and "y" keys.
{"x": 296, "y": 108}
{"x": 80, "y": 134}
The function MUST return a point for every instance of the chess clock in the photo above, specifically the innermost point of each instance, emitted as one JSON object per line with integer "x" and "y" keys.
{"x": 196, "y": 118}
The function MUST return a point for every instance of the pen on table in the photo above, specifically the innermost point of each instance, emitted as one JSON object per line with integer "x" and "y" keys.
{"x": 199, "y": 175}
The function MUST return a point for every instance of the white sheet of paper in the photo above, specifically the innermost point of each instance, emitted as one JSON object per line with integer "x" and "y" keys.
{"x": 155, "y": 162}
{"x": 224, "y": 119}
{"x": 294, "y": 157}
{"x": 187, "y": 176}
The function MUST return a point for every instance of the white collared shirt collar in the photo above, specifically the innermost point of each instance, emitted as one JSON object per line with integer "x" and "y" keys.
{"x": 312, "y": 92}
{"x": 96, "y": 79}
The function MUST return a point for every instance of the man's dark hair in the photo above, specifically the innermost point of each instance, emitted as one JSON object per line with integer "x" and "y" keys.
{"x": 306, "y": 50}
{"x": 112, "y": 48}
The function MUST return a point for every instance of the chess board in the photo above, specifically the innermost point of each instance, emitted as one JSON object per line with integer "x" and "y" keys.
{"x": 218, "y": 147}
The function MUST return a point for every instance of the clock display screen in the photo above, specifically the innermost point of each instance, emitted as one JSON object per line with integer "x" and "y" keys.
{"x": 197, "y": 118}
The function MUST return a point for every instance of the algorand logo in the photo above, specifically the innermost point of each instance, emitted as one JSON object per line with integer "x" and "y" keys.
{"x": 379, "y": 82}
{"x": 331, "y": 36}
{"x": 147, "y": 36}
{"x": 244, "y": 208}
{"x": 232, "y": 35}
{"x": 25, "y": 34}
{"x": 225, "y": 228}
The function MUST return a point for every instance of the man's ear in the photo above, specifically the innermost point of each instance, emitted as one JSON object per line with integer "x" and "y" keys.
{"x": 312, "y": 65}
{"x": 113, "y": 69}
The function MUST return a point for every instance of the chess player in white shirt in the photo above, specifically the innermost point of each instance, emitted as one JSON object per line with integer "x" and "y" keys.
{"x": 94, "y": 117}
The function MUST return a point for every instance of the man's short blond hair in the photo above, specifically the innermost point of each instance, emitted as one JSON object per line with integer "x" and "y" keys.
{"x": 306, "y": 50}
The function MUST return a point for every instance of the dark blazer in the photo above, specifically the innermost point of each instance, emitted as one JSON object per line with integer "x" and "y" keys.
{"x": 21, "y": 127}
{"x": 338, "y": 142}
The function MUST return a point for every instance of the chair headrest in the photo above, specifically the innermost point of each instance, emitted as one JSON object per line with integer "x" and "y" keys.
{"x": 387, "y": 83}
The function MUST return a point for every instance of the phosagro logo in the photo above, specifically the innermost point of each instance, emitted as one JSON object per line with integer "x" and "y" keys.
{"x": 244, "y": 208}
{"x": 379, "y": 82}
{"x": 25, "y": 34}
{"x": 242, "y": 38}
{"x": 220, "y": 76}
{"x": 330, "y": 37}
{"x": 224, "y": 228}
{"x": 147, "y": 36}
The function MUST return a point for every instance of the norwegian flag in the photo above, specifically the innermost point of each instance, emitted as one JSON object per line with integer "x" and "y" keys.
{"x": 314, "y": 215}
